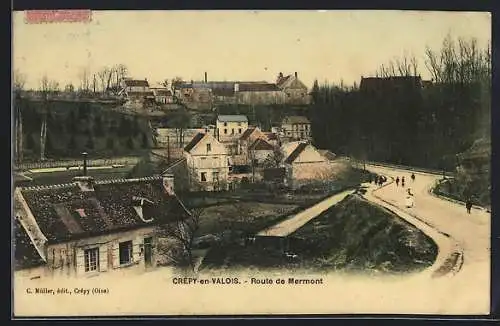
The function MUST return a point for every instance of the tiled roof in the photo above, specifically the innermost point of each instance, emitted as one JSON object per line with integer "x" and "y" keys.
{"x": 247, "y": 133}
{"x": 107, "y": 209}
{"x": 271, "y": 136}
{"x": 296, "y": 152}
{"x": 283, "y": 80}
{"x": 295, "y": 119}
{"x": 261, "y": 145}
{"x": 136, "y": 83}
{"x": 25, "y": 254}
{"x": 196, "y": 139}
{"x": 258, "y": 87}
{"x": 232, "y": 118}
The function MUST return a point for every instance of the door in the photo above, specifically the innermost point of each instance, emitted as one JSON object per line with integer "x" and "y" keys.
{"x": 148, "y": 251}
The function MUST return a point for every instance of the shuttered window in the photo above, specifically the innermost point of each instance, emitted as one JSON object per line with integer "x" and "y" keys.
{"x": 91, "y": 259}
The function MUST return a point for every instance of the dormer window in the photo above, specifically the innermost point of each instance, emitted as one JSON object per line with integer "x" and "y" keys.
{"x": 209, "y": 148}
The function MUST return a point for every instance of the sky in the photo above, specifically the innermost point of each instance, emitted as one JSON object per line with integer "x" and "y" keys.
{"x": 236, "y": 45}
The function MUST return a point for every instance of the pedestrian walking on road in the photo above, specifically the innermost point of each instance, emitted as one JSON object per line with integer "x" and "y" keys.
{"x": 397, "y": 181}
{"x": 403, "y": 182}
{"x": 413, "y": 177}
{"x": 468, "y": 204}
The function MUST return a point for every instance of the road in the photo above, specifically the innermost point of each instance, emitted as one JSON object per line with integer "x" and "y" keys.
{"x": 290, "y": 225}
{"x": 470, "y": 232}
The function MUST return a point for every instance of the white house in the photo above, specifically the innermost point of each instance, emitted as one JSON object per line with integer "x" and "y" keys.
{"x": 86, "y": 228}
{"x": 304, "y": 163}
{"x": 207, "y": 162}
{"x": 296, "y": 128}
{"x": 231, "y": 127}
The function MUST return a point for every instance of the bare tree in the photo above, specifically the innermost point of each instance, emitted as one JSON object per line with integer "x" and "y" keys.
{"x": 274, "y": 159}
{"x": 176, "y": 239}
{"x": 120, "y": 72}
{"x": 19, "y": 80}
{"x": 85, "y": 82}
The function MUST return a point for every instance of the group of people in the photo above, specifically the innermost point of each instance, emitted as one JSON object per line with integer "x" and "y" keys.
{"x": 403, "y": 180}
{"x": 379, "y": 180}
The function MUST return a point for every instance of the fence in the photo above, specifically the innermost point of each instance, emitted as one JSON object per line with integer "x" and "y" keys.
{"x": 68, "y": 163}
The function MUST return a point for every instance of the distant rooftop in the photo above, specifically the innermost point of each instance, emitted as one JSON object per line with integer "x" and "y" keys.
{"x": 232, "y": 118}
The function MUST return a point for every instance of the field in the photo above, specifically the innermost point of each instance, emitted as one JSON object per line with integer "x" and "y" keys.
{"x": 353, "y": 236}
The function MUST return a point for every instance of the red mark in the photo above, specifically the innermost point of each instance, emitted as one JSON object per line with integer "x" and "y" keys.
{"x": 57, "y": 16}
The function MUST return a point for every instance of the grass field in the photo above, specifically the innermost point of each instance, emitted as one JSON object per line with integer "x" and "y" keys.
{"x": 353, "y": 236}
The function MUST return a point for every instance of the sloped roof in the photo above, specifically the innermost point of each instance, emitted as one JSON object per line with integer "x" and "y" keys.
{"x": 136, "y": 83}
{"x": 247, "y": 133}
{"x": 196, "y": 139}
{"x": 25, "y": 253}
{"x": 296, "y": 152}
{"x": 258, "y": 87}
{"x": 271, "y": 136}
{"x": 107, "y": 209}
{"x": 261, "y": 145}
{"x": 232, "y": 118}
{"x": 293, "y": 119}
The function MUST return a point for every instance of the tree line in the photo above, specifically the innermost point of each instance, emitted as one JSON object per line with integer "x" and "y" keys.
{"x": 396, "y": 117}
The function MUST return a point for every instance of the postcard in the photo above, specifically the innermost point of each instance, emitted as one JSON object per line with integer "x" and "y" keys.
{"x": 182, "y": 163}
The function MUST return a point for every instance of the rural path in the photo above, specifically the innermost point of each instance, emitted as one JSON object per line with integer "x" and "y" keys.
{"x": 447, "y": 223}
{"x": 298, "y": 220}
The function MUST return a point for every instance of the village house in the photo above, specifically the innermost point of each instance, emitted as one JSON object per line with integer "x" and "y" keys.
{"x": 258, "y": 93}
{"x": 304, "y": 163}
{"x": 207, "y": 162}
{"x": 88, "y": 227}
{"x": 231, "y": 127}
{"x": 247, "y": 138}
{"x": 259, "y": 151}
{"x": 296, "y": 128}
{"x": 163, "y": 95}
{"x": 137, "y": 91}
{"x": 296, "y": 91}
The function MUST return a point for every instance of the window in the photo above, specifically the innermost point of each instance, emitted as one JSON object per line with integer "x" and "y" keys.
{"x": 239, "y": 124}
{"x": 125, "y": 249}
{"x": 91, "y": 259}
{"x": 203, "y": 176}
{"x": 209, "y": 147}
{"x": 225, "y": 131}
{"x": 232, "y": 131}
{"x": 301, "y": 135}
{"x": 239, "y": 130}
{"x": 215, "y": 176}
{"x": 225, "y": 124}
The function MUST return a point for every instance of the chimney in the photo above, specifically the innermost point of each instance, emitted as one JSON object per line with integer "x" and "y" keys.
{"x": 295, "y": 75}
{"x": 85, "y": 183}
{"x": 206, "y": 77}
{"x": 168, "y": 183}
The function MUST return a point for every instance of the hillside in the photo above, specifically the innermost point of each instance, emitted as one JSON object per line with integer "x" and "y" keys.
{"x": 74, "y": 127}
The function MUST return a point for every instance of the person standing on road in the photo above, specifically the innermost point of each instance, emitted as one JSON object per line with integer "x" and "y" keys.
{"x": 397, "y": 181}
{"x": 403, "y": 182}
{"x": 468, "y": 204}
{"x": 413, "y": 177}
